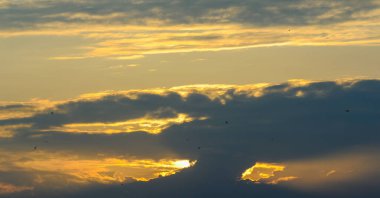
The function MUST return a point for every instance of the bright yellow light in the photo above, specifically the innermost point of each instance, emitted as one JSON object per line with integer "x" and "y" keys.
{"x": 83, "y": 170}
{"x": 261, "y": 171}
{"x": 70, "y": 169}
{"x": 108, "y": 170}
{"x": 182, "y": 164}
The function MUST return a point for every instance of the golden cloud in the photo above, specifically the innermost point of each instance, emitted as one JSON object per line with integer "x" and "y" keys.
{"x": 146, "y": 124}
{"x": 86, "y": 170}
{"x": 317, "y": 173}
{"x": 261, "y": 172}
{"x": 158, "y": 37}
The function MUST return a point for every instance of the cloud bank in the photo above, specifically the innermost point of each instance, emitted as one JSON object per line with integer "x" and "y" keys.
{"x": 261, "y": 13}
{"x": 330, "y": 128}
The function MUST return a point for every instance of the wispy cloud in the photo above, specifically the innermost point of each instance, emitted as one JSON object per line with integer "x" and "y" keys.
{"x": 131, "y": 30}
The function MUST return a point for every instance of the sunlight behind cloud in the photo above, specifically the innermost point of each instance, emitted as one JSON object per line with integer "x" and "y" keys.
{"x": 317, "y": 174}
{"x": 146, "y": 124}
{"x": 130, "y": 42}
{"x": 189, "y": 98}
{"x": 83, "y": 170}
{"x": 262, "y": 172}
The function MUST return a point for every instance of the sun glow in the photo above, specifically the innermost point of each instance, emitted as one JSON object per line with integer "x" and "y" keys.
{"x": 184, "y": 163}
{"x": 108, "y": 170}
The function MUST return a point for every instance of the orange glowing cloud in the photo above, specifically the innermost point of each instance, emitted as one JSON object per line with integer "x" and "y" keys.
{"x": 134, "y": 42}
{"x": 85, "y": 170}
{"x": 146, "y": 124}
{"x": 320, "y": 173}
{"x": 108, "y": 170}
{"x": 264, "y": 173}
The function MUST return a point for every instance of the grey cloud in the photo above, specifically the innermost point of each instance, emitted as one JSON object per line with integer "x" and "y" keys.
{"x": 254, "y": 12}
{"x": 288, "y": 122}
{"x": 138, "y": 144}
{"x": 319, "y": 115}
{"x": 119, "y": 108}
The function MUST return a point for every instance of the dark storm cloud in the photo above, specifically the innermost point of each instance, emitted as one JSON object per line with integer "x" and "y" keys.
{"x": 273, "y": 121}
{"x": 119, "y": 108}
{"x": 18, "y": 14}
{"x": 137, "y": 144}
{"x": 287, "y": 122}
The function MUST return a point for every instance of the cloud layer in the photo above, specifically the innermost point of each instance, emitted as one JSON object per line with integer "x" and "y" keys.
{"x": 133, "y": 29}
{"x": 261, "y": 13}
{"x": 231, "y": 128}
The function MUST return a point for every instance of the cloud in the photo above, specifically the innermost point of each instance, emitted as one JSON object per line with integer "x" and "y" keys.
{"x": 231, "y": 128}
{"x": 268, "y": 13}
{"x": 9, "y": 188}
{"x": 355, "y": 169}
{"x": 348, "y": 171}
{"x": 134, "y": 29}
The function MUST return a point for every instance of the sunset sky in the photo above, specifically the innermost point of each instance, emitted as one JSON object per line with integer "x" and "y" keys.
{"x": 189, "y": 98}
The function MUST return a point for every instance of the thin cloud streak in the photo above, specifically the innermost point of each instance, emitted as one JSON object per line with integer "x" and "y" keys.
{"x": 132, "y": 30}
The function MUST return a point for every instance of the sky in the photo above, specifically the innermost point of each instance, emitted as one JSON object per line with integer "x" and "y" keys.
{"x": 179, "y": 98}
